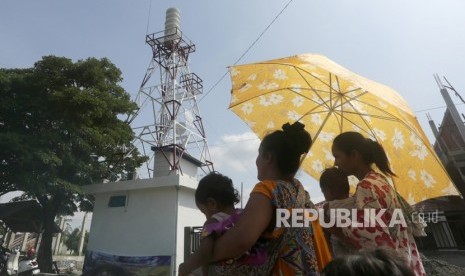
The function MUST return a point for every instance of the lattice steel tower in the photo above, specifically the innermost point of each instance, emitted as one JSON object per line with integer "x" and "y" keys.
{"x": 169, "y": 100}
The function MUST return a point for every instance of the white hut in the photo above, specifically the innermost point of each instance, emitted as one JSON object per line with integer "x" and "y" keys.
{"x": 140, "y": 224}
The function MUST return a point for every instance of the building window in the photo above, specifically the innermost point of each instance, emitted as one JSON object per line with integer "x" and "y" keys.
{"x": 117, "y": 201}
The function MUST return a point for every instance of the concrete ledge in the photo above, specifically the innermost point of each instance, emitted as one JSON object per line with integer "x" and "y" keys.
{"x": 138, "y": 184}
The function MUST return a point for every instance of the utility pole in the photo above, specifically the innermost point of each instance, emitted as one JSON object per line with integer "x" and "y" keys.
{"x": 83, "y": 234}
{"x": 11, "y": 239}
{"x": 58, "y": 238}
{"x": 242, "y": 198}
{"x": 24, "y": 243}
{"x": 451, "y": 106}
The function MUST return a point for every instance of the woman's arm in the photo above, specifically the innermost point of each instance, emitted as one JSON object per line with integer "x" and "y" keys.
{"x": 200, "y": 257}
{"x": 253, "y": 222}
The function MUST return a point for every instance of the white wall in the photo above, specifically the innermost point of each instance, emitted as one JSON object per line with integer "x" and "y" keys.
{"x": 162, "y": 165}
{"x": 157, "y": 210}
{"x": 143, "y": 228}
{"x": 188, "y": 215}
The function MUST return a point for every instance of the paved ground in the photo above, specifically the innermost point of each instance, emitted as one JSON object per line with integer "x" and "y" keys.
{"x": 440, "y": 263}
{"x": 455, "y": 257}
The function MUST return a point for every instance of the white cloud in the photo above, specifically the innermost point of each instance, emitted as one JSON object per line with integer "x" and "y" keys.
{"x": 236, "y": 153}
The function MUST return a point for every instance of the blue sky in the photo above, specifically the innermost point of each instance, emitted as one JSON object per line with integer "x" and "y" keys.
{"x": 397, "y": 43}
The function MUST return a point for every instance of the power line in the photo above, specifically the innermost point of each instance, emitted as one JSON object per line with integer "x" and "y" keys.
{"x": 428, "y": 109}
{"x": 433, "y": 108}
{"x": 248, "y": 49}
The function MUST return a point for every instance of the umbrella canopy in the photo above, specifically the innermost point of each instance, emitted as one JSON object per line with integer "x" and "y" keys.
{"x": 329, "y": 100}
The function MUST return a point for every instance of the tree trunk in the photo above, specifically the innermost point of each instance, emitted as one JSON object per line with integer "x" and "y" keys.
{"x": 44, "y": 257}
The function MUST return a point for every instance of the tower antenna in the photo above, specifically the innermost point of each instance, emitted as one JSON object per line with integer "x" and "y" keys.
{"x": 169, "y": 102}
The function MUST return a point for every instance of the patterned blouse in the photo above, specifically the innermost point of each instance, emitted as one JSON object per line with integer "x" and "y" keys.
{"x": 304, "y": 250}
{"x": 375, "y": 192}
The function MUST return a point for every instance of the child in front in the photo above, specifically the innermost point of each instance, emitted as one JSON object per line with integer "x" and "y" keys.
{"x": 215, "y": 197}
{"x": 334, "y": 185}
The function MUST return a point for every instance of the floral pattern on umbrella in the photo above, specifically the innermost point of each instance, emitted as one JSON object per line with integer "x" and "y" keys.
{"x": 330, "y": 99}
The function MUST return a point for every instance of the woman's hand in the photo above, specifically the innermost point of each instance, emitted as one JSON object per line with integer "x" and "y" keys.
{"x": 182, "y": 271}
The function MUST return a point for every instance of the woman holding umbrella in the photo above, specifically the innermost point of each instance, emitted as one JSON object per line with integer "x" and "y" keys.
{"x": 355, "y": 155}
{"x": 290, "y": 251}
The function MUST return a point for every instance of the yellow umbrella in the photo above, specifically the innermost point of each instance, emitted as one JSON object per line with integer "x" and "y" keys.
{"x": 330, "y": 99}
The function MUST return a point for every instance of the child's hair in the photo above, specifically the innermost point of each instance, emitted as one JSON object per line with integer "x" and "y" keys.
{"x": 336, "y": 180}
{"x": 287, "y": 146}
{"x": 218, "y": 187}
{"x": 371, "y": 151}
{"x": 366, "y": 263}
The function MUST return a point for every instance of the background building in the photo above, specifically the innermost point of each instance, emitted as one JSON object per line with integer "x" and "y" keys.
{"x": 446, "y": 228}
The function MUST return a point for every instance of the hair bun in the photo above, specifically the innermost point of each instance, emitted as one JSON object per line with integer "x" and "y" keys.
{"x": 295, "y": 127}
{"x": 370, "y": 142}
{"x": 299, "y": 137}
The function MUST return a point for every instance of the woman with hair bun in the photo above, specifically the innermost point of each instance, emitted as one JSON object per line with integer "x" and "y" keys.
{"x": 291, "y": 251}
{"x": 355, "y": 155}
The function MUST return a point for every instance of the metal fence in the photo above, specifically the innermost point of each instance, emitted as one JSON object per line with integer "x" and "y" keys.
{"x": 447, "y": 233}
{"x": 191, "y": 240}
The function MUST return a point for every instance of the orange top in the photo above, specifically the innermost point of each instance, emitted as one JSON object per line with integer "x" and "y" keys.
{"x": 286, "y": 267}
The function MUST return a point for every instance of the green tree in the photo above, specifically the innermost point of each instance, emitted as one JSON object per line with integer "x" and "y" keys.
{"x": 61, "y": 128}
{"x": 71, "y": 240}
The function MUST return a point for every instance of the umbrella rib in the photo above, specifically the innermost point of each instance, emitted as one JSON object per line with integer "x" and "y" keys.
{"x": 341, "y": 124}
{"x": 319, "y": 105}
{"x": 330, "y": 107}
{"x": 311, "y": 87}
{"x": 363, "y": 119}
{"x": 299, "y": 71}
{"x": 320, "y": 128}
{"x": 380, "y": 109}
{"x": 368, "y": 126}
{"x": 264, "y": 93}
{"x": 330, "y": 91}
{"x": 342, "y": 113}
{"x": 355, "y": 124}
{"x": 391, "y": 118}
{"x": 281, "y": 89}
{"x": 394, "y": 119}
{"x": 313, "y": 76}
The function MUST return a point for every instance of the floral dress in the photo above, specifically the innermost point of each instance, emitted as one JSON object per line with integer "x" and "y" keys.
{"x": 374, "y": 192}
